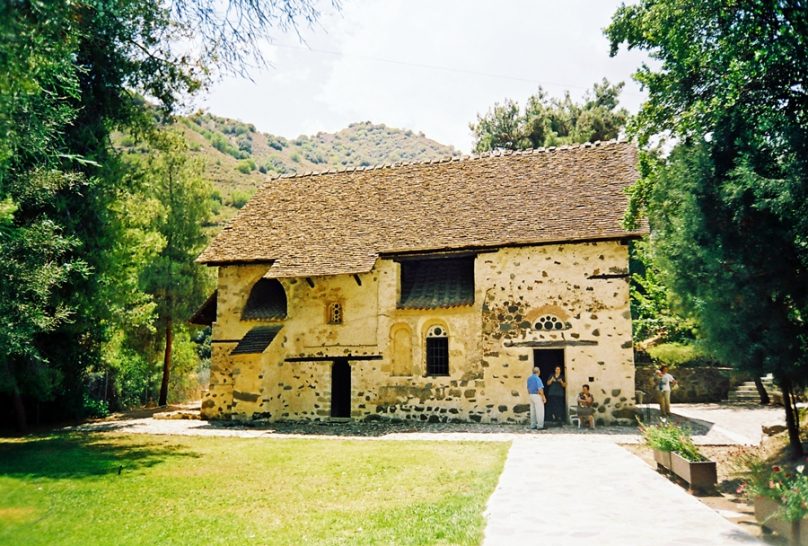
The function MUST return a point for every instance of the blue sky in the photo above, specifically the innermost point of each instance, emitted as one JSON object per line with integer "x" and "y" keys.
{"x": 425, "y": 65}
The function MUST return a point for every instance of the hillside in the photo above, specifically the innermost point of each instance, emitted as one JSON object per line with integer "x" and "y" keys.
{"x": 238, "y": 158}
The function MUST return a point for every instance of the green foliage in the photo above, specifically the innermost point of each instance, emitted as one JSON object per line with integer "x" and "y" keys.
{"x": 671, "y": 437}
{"x": 95, "y": 408}
{"x": 246, "y": 166}
{"x": 551, "y": 122}
{"x": 238, "y": 199}
{"x": 786, "y": 484}
{"x": 728, "y": 205}
{"x": 676, "y": 355}
{"x": 654, "y": 307}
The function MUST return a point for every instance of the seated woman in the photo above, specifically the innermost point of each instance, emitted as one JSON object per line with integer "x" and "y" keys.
{"x": 585, "y": 409}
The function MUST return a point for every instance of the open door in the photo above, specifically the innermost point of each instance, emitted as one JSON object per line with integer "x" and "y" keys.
{"x": 341, "y": 388}
{"x": 547, "y": 360}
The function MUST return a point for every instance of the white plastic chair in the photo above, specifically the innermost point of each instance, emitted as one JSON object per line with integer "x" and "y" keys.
{"x": 573, "y": 416}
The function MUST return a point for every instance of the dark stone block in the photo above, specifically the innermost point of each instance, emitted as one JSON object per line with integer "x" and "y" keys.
{"x": 245, "y": 396}
{"x": 502, "y": 408}
{"x": 476, "y": 418}
{"x": 433, "y": 419}
{"x": 521, "y": 408}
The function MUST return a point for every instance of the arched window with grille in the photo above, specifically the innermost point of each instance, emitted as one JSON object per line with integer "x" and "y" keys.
{"x": 437, "y": 351}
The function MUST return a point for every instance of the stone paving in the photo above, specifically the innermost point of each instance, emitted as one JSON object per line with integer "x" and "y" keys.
{"x": 740, "y": 422}
{"x": 566, "y": 490}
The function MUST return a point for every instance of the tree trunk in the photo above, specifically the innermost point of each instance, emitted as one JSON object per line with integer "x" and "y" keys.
{"x": 764, "y": 396}
{"x": 166, "y": 363}
{"x": 16, "y": 399}
{"x": 19, "y": 411}
{"x": 792, "y": 419}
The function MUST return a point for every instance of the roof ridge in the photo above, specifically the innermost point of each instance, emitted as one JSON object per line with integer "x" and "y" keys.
{"x": 449, "y": 159}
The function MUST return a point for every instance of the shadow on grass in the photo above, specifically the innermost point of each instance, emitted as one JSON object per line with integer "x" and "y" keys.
{"x": 79, "y": 456}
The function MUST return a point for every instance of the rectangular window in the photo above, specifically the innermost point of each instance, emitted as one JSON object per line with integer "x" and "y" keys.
{"x": 437, "y": 356}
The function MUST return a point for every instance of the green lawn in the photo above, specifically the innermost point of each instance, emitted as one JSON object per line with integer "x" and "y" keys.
{"x": 67, "y": 489}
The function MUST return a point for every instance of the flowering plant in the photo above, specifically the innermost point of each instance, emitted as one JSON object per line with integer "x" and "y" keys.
{"x": 785, "y": 484}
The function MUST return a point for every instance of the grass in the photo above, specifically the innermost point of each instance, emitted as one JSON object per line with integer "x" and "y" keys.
{"x": 67, "y": 489}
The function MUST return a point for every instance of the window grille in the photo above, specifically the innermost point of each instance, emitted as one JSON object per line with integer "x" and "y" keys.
{"x": 437, "y": 351}
{"x": 335, "y": 313}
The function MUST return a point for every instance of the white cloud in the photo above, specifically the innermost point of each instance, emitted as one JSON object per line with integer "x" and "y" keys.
{"x": 427, "y": 66}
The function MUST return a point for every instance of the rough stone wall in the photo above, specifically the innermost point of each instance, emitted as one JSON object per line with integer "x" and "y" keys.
{"x": 491, "y": 342}
{"x": 523, "y": 284}
{"x": 700, "y": 384}
{"x": 255, "y": 386}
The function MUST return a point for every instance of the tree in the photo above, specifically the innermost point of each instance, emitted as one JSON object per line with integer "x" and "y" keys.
{"x": 728, "y": 207}
{"x": 71, "y": 73}
{"x": 177, "y": 284}
{"x": 551, "y": 122}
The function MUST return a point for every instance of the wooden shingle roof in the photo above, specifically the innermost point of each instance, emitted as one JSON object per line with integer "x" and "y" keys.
{"x": 340, "y": 221}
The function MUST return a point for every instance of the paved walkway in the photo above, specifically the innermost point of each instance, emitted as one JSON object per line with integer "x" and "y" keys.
{"x": 740, "y": 422}
{"x": 568, "y": 491}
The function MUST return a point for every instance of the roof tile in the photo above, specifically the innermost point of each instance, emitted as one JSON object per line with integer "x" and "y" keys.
{"x": 340, "y": 222}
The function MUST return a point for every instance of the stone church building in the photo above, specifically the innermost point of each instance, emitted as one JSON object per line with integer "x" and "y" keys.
{"x": 426, "y": 291}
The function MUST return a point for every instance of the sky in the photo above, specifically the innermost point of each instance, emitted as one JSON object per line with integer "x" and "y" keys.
{"x": 426, "y": 65}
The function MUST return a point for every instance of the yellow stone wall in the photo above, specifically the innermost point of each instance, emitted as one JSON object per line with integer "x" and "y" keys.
{"x": 491, "y": 343}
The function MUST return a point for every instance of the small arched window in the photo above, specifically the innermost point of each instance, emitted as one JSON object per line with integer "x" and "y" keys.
{"x": 267, "y": 301}
{"x": 437, "y": 351}
{"x": 551, "y": 322}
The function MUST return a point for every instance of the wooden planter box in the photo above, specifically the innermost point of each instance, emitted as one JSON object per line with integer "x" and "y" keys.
{"x": 700, "y": 475}
{"x": 796, "y": 532}
{"x": 663, "y": 459}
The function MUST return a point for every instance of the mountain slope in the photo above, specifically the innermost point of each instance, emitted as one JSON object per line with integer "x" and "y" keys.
{"x": 238, "y": 158}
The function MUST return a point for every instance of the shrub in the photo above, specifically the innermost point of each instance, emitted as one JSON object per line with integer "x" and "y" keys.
{"x": 671, "y": 437}
{"x": 296, "y": 157}
{"x": 785, "y": 484}
{"x": 95, "y": 408}
{"x": 239, "y": 198}
{"x": 678, "y": 354}
{"x": 246, "y": 166}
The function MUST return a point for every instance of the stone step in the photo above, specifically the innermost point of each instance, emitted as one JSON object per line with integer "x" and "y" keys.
{"x": 747, "y": 391}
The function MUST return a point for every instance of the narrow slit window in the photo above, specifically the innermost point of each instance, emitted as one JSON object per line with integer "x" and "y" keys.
{"x": 335, "y": 313}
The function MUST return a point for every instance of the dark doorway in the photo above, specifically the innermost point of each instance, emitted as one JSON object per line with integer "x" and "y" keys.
{"x": 341, "y": 388}
{"x": 547, "y": 360}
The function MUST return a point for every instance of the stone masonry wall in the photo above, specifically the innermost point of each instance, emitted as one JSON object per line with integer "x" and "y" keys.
{"x": 491, "y": 342}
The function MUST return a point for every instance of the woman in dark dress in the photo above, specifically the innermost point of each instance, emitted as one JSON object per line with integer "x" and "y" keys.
{"x": 556, "y": 387}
